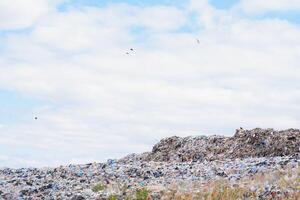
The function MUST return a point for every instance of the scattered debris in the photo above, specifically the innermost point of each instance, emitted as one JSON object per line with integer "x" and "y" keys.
{"x": 190, "y": 164}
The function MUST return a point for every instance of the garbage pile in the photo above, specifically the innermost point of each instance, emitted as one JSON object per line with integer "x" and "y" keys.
{"x": 245, "y": 143}
{"x": 191, "y": 163}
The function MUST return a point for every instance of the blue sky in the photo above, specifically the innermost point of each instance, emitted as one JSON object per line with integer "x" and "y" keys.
{"x": 16, "y": 107}
{"x": 65, "y": 62}
{"x": 93, "y": 3}
{"x": 293, "y": 16}
{"x": 223, "y": 4}
{"x": 79, "y": 3}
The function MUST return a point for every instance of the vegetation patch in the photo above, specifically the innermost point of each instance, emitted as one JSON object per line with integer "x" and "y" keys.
{"x": 112, "y": 197}
{"x": 98, "y": 188}
{"x": 142, "y": 194}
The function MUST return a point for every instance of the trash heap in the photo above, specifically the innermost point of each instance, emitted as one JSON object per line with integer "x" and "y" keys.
{"x": 244, "y": 144}
{"x": 174, "y": 165}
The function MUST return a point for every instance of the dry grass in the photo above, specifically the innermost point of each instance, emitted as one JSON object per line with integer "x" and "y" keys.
{"x": 287, "y": 184}
{"x": 283, "y": 185}
{"x": 217, "y": 191}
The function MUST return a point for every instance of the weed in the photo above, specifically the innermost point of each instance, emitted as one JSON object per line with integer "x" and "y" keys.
{"x": 112, "y": 197}
{"x": 142, "y": 194}
{"x": 99, "y": 187}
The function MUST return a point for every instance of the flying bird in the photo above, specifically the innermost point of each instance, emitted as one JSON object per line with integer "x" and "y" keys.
{"x": 131, "y": 49}
{"x": 198, "y": 41}
{"x": 35, "y": 118}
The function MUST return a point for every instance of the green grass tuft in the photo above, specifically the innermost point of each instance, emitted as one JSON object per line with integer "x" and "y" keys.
{"x": 99, "y": 187}
{"x": 142, "y": 194}
{"x": 112, "y": 197}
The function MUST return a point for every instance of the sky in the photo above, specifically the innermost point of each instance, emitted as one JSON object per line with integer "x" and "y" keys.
{"x": 66, "y": 63}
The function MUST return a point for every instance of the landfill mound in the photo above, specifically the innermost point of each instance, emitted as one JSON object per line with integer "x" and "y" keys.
{"x": 253, "y": 164}
{"x": 244, "y": 144}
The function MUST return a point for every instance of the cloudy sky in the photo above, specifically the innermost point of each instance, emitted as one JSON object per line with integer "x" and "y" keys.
{"x": 66, "y": 62}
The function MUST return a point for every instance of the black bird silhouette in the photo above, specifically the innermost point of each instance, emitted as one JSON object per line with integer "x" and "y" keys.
{"x": 131, "y": 49}
{"x": 198, "y": 41}
{"x": 35, "y": 118}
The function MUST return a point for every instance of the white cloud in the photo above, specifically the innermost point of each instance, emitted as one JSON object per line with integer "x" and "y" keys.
{"x": 209, "y": 17}
{"x": 104, "y": 103}
{"x": 258, "y": 6}
{"x": 18, "y": 14}
{"x": 168, "y": 18}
